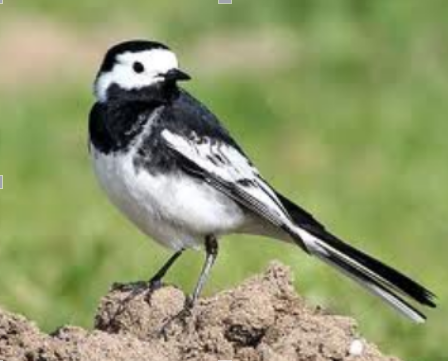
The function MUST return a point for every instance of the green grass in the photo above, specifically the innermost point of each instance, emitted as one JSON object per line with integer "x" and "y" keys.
{"x": 354, "y": 129}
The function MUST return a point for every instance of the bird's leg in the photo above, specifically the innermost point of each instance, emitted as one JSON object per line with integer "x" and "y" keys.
{"x": 211, "y": 249}
{"x": 156, "y": 280}
{"x": 154, "y": 283}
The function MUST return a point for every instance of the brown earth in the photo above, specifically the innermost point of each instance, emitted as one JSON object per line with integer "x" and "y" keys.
{"x": 262, "y": 319}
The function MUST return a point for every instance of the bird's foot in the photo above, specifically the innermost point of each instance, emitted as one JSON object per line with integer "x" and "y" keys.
{"x": 152, "y": 286}
{"x": 135, "y": 290}
{"x": 180, "y": 317}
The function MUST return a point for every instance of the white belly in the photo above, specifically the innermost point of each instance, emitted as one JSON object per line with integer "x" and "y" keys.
{"x": 177, "y": 211}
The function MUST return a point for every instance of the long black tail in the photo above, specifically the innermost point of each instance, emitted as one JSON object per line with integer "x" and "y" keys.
{"x": 380, "y": 279}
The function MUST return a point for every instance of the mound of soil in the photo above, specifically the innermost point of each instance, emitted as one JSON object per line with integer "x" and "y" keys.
{"x": 261, "y": 320}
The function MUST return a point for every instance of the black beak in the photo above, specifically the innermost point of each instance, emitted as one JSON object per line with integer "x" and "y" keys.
{"x": 176, "y": 75}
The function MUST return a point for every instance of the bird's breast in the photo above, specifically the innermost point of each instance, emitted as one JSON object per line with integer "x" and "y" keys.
{"x": 170, "y": 207}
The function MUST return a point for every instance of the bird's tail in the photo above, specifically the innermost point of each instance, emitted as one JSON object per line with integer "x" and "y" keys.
{"x": 378, "y": 278}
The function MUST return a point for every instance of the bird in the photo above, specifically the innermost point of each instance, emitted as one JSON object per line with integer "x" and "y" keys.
{"x": 172, "y": 168}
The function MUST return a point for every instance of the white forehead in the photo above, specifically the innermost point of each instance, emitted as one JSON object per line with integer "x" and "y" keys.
{"x": 155, "y": 63}
{"x": 155, "y": 60}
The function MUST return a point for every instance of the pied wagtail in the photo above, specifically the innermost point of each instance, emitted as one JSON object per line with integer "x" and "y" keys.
{"x": 171, "y": 167}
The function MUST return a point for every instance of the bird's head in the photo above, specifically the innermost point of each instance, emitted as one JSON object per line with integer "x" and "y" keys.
{"x": 135, "y": 66}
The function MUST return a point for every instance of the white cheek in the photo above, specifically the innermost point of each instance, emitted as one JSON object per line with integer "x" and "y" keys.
{"x": 124, "y": 77}
{"x": 128, "y": 79}
{"x": 156, "y": 62}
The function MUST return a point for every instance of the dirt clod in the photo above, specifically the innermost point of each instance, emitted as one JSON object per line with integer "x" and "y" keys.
{"x": 261, "y": 320}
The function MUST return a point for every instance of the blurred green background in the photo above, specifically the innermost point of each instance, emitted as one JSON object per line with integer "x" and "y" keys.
{"x": 342, "y": 105}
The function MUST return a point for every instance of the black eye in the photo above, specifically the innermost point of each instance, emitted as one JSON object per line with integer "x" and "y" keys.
{"x": 138, "y": 67}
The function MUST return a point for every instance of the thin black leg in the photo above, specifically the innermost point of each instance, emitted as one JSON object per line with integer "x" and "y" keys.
{"x": 155, "y": 281}
{"x": 211, "y": 249}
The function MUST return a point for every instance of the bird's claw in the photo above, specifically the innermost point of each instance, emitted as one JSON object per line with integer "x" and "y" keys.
{"x": 136, "y": 290}
{"x": 181, "y": 316}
